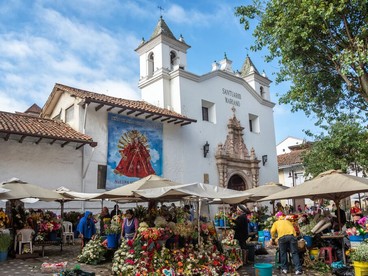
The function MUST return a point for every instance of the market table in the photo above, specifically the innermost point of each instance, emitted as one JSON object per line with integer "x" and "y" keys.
{"x": 336, "y": 237}
{"x": 48, "y": 243}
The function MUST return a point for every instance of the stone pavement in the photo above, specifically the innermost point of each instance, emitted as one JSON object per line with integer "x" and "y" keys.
{"x": 32, "y": 266}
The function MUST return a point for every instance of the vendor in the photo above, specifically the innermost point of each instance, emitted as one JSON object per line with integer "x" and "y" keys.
{"x": 130, "y": 226}
{"x": 86, "y": 228}
{"x": 356, "y": 212}
{"x": 241, "y": 226}
{"x": 287, "y": 241}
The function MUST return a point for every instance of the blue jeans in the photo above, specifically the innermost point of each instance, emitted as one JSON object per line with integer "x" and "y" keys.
{"x": 289, "y": 242}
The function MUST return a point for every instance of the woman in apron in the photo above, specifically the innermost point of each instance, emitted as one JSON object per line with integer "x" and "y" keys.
{"x": 130, "y": 226}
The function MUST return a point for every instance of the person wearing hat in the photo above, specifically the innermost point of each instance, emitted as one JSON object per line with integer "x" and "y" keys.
{"x": 287, "y": 241}
{"x": 241, "y": 227}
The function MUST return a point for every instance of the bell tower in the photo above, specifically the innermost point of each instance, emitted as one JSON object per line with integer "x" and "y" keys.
{"x": 159, "y": 58}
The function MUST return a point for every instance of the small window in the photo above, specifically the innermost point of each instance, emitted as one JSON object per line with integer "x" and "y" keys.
{"x": 101, "y": 176}
{"x": 69, "y": 114}
{"x": 204, "y": 113}
{"x": 253, "y": 123}
{"x": 208, "y": 111}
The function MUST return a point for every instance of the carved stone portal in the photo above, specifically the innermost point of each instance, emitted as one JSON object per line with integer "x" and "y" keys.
{"x": 234, "y": 163}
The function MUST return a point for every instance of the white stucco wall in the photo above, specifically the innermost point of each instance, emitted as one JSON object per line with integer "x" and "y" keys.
{"x": 49, "y": 166}
{"x": 283, "y": 146}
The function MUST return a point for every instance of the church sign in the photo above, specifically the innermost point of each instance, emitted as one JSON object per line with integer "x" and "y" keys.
{"x": 231, "y": 97}
{"x": 134, "y": 150}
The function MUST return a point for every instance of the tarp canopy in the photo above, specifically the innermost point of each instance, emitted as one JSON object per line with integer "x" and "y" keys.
{"x": 19, "y": 189}
{"x": 71, "y": 195}
{"x": 265, "y": 190}
{"x": 195, "y": 190}
{"x": 148, "y": 182}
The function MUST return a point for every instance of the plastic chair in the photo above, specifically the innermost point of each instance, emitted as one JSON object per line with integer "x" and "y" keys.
{"x": 68, "y": 231}
{"x": 24, "y": 236}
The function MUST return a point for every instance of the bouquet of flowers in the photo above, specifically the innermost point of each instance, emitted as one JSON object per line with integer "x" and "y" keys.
{"x": 360, "y": 254}
{"x": 93, "y": 252}
{"x": 355, "y": 231}
{"x": 229, "y": 239}
{"x": 112, "y": 226}
{"x": 4, "y": 220}
{"x": 183, "y": 229}
{"x": 49, "y": 226}
{"x": 124, "y": 262}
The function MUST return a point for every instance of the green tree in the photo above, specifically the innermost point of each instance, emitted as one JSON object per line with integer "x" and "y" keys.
{"x": 344, "y": 147}
{"x": 322, "y": 47}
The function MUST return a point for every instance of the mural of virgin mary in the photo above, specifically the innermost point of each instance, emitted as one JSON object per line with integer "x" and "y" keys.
{"x": 135, "y": 156}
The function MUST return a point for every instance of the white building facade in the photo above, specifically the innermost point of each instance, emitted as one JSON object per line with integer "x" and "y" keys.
{"x": 225, "y": 112}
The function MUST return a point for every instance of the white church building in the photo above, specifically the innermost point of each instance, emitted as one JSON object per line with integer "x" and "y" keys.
{"x": 216, "y": 128}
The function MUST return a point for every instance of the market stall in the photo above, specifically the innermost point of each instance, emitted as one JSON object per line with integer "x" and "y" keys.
{"x": 169, "y": 242}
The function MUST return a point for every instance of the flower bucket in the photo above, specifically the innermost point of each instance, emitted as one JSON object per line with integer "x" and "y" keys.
{"x": 3, "y": 255}
{"x": 308, "y": 240}
{"x": 217, "y": 222}
{"x": 313, "y": 253}
{"x": 222, "y": 222}
{"x": 263, "y": 269}
{"x": 112, "y": 240}
{"x": 53, "y": 236}
{"x": 360, "y": 268}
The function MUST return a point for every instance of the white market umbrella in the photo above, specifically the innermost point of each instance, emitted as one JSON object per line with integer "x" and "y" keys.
{"x": 19, "y": 189}
{"x": 126, "y": 191}
{"x": 265, "y": 190}
{"x": 200, "y": 190}
{"x": 332, "y": 185}
{"x": 72, "y": 195}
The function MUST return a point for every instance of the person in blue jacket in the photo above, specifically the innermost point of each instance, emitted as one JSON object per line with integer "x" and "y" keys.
{"x": 86, "y": 228}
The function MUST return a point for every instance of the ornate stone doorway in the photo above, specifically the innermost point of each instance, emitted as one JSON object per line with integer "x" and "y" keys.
{"x": 237, "y": 168}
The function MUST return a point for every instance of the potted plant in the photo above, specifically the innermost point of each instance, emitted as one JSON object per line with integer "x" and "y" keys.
{"x": 359, "y": 257}
{"x": 5, "y": 242}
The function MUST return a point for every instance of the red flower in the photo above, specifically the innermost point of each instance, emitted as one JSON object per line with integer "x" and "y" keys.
{"x": 130, "y": 243}
{"x": 129, "y": 261}
{"x": 131, "y": 251}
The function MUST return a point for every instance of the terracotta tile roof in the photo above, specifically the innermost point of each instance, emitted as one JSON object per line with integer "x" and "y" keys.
{"x": 123, "y": 104}
{"x": 25, "y": 125}
{"x": 291, "y": 158}
{"x": 35, "y": 109}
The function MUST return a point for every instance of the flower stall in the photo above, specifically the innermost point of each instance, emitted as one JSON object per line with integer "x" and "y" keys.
{"x": 171, "y": 247}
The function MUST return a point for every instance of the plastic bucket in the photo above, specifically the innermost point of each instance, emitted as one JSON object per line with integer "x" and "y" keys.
{"x": 251, "y": 251}
{"x": 308, "y": 240}
{"x": 314, "y": 252}
{"x": 267, "y": 235}
{"x": 3, "y": 255}
{"x": 260, "y": 233}
{"x": 112, "y": 240}
{"x": 356, "y": 238}
{"x": 360, "y": 268}
{"x": 262, "y": 269}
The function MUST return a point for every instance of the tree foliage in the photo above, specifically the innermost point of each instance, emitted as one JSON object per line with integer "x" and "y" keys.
{"x": 344, "y": 147}
{"x": 322, "y": 47}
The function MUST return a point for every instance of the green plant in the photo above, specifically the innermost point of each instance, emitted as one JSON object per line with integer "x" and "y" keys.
{"x": 360, "y": 254}
{"x": 5, "y": 241}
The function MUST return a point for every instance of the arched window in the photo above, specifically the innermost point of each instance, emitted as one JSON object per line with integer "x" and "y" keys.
{"x": 151, "y": 64}
{"x": 173, "y": 59}
{"x": 261, "y": 91}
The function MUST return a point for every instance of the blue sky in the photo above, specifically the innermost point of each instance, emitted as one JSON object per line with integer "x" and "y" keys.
{"x": 89, "y": 44}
